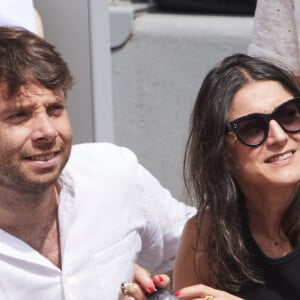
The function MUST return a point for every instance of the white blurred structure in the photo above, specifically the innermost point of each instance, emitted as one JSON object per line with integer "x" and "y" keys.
{"x": 18, "y": 13}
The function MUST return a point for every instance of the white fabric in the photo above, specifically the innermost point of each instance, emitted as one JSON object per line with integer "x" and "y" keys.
{"x": 112, "y": 212}
{"x": 276, "y": 33}
{"x": 18, "y": 13}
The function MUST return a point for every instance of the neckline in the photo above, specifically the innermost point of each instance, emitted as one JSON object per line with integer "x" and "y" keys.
{"x": 278, "y": 260}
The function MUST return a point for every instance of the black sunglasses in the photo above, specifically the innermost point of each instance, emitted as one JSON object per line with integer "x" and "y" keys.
{"x": 252, "y": 130}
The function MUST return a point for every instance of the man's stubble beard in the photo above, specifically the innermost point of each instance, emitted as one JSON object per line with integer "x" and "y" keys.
{"x": 12, "y": 178}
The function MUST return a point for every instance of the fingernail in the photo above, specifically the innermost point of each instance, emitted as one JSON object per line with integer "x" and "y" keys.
{"x": 177, "y": 294}
{"x": 151, "y": 289}
{"x": 160, "y": 278}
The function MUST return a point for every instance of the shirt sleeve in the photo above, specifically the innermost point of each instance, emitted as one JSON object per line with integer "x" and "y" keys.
{"x": 275, "y": 33}
{"x": 165, "y": 219}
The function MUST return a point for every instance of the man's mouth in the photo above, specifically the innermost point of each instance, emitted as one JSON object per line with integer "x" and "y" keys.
{"x": 42, "y": 157}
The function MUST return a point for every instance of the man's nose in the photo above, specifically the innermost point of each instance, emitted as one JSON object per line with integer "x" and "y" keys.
{"x": 43, "y": 128}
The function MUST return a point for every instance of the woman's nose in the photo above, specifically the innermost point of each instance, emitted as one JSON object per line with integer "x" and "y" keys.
{"x": 276, "y": 134}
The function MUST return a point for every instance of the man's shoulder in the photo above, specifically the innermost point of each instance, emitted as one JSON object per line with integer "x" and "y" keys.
{"x": 101, "y": 153}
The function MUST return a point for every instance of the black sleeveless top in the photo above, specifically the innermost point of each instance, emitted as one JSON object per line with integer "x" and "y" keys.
{"x": 281, "y": 275}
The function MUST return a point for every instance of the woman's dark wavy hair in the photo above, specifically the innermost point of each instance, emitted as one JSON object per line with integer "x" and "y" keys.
{"x": 207, "y": 172}
{"x": 27, "y": 58}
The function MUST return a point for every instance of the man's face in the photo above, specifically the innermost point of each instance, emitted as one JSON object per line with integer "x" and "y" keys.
{"x": 35, "y": 138}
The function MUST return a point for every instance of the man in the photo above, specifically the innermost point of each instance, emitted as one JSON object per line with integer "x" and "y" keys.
{"x": 73, "y": 220}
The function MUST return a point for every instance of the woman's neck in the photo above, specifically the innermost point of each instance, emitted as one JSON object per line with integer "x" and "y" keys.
{"x": 265, "y": 213}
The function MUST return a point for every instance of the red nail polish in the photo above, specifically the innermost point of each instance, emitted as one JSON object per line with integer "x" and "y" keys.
{"x": 177, "y": 294}
{"x": 151, "y": 289}
{"x": 160, "y": 278}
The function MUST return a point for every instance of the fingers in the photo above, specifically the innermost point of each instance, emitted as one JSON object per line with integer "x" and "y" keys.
{"x": 143, "y": 278}
{"x": 142, "y": 284}
{"x": 133, "y": 292}
{"x": 148, "y": 283}
{"x": 161, "y": 280}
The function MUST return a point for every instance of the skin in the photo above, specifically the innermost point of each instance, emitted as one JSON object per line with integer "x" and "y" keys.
{"x": 36, "y": 137}
{"x": 144, "y": 282}
{"x": 253, "y": 165}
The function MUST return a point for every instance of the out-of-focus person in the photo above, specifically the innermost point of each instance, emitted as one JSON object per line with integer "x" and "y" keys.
{"x": 276, "y": 32}
{"x": 21, "y": 13}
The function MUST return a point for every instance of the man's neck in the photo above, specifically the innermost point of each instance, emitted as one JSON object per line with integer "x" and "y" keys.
{"x": 34, "y": 220}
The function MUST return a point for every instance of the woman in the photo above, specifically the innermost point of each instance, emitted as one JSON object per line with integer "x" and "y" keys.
{"x": 242, "y": 167}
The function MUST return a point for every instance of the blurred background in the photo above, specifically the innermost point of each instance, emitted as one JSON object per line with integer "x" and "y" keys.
{"x": 138, "y": 66}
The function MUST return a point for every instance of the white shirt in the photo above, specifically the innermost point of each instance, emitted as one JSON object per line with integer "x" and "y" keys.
{"x": 18, "y": 13}
{"x": 112, "y": 213}
{"x": 276, "y": 33}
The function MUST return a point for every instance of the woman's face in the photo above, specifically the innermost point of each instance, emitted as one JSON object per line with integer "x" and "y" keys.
{"x": 277, "y": 160}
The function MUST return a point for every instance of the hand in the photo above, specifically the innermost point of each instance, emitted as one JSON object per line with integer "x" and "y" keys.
{"x": 202, "y": 292}
{"x": 143, "y": 283}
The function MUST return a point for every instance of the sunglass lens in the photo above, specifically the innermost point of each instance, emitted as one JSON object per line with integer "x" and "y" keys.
{"x": 251, "y": 131}
{"x": 289, "y": 117}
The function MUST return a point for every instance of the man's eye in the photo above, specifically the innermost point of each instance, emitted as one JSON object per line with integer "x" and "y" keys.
{"x": 55, "y": 109}
{"x": 18, "y": 115}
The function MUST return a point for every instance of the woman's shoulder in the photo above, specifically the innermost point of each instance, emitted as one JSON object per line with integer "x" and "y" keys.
{"x": 192, "y": 248}
{"x": 198, "y": 227}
